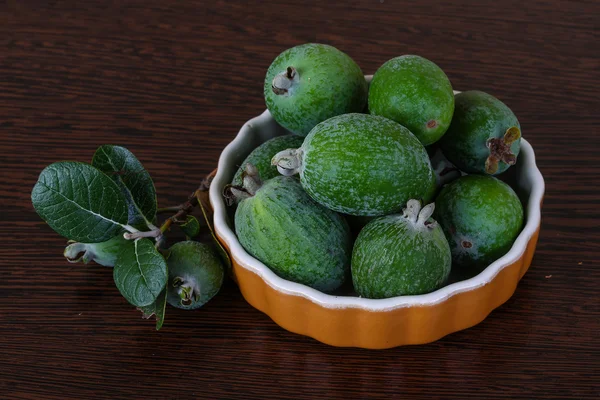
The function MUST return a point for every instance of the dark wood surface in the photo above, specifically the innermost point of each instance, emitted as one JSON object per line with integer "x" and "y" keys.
{"x": 173, "y": 81}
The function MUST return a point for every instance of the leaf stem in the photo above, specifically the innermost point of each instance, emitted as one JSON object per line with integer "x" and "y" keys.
{"x": 155, "y": 233}
{"x": 129, "y": 228}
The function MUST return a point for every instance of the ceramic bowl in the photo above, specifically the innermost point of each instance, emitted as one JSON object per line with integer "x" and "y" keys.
{"x": 368, "y": 323}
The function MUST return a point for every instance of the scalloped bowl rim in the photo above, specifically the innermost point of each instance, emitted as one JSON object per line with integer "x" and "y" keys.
{"x": 245, "y": 260}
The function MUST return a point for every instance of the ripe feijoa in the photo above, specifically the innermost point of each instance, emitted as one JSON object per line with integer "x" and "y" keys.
{"x": 300, "y": 240}
{"x": 401, "y": 254}
{"x": 414, "y": 92}
{"x": 485, "y": 135}
{"x": 261, "y": 157}
{"x": 360, "y": 164}
{"x": 481, "y": 217}
{"x": 195, "y": 274}
{"x": 310, "y": 83}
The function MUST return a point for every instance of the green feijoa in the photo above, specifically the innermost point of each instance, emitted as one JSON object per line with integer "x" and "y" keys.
{"x": 310, "y": 83}
{"x": 360, "y": 164}
{"x": 485, "y": 135}
{"x": 414, "y": 92}
{"x": 103, "y": 253}
{"x": 195, "y": 274}
{"x": 261, "y": 156}
{"x": 300, "y": 240}
{"x": 401, "y": 254}
{"x": 481, "y": 217}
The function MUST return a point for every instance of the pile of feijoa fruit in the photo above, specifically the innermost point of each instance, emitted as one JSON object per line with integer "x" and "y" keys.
{"x": 388, "y": 185}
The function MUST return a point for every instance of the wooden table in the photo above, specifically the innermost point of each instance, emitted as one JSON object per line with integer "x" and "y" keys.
{"x": 173, "y": 81}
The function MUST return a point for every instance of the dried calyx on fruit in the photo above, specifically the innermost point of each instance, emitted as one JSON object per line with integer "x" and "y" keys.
{"x": 418, "y": 216}
{"x": 251, "y": 182}
{"x": 283, "y": 83}
{"x": 500, "y": 150}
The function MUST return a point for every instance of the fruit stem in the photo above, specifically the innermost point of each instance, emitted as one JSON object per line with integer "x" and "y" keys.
{"x": 288, "y": 161}
{"x": 283, "y": 82}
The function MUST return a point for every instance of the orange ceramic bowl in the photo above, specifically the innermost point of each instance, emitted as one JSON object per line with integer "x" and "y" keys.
{"x": 369, "y": 323}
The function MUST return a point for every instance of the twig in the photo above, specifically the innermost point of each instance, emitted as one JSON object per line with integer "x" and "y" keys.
{"x": 183, "y": 209}
{"x": 168, "y": 209}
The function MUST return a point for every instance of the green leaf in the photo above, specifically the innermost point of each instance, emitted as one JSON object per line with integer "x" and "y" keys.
{"x": 157, "y": 309}
{"x": 191, "y": 226}
{"x": 135, "y": 182}
{"x": 79, "y": 202}
{"x": 140, "y": 272}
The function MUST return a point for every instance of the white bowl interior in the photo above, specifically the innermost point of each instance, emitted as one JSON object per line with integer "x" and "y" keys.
{"x": 524, "y": 177}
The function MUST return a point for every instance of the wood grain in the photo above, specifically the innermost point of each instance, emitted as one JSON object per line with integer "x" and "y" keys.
{"x": 173, "y": 81}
